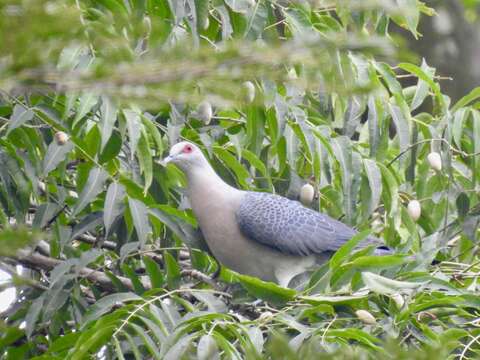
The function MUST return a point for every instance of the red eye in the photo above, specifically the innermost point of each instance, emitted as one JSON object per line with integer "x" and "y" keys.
{"x": 187, "y": 149}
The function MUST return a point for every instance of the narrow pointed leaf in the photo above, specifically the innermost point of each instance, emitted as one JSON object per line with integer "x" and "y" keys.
{"x": 44, "y": 213}
{"x": 113, "y": 204}
{"x": 19, "y": 117}
{"x": 473, "y": 95}
{"x": 402, "y": 126}
{"x": 386, "y": 286}
{"x": 108, "y": 116}
{"x": 373, "y": 125}
{"x": 93, "y": 187}
{"x": 88, "y": 223}
{"x": 134, "y": 127}
{"x": 173, "y": 270}
{"x": 85, "y": 104}
{"x": 145, "y": 159}
{"x": 55, "y": 155}
{"x": 347, "y": 249}
{"x": 374, "y": 177}
{"x": 139, "y": 213}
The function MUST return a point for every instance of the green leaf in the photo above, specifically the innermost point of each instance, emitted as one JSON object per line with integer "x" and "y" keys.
{"x": 207, "y": 348}
{"x": 55, "y": 155}
{"x": 179, "y": 348}
{"x": 358, "y": 335}
{"x": 389, "y": 77}
{"x": 19, "y": 117}
{"x": 256, "y": 337}
{"x": 390, "y": 192}
{"x": 112, "y": 149}
{"x": 410, "y": 15}
{"x": 145, "y": 159}
{"x": 213, "y": 302}
{"x": 154, "y": 272}
{"x": 233, "y": 164}
{"x": 473, "y": 95}
{"x": 386, "y": 286}
{"x": 374, "y": 177}
{"x": 44, "y": 214}
{"x": 335, "y": 299}
{"x": 375, "y": 114}
{"x": 106, "y": 303}
{"x": 92, "y": 188}
{"x": 137, "y": 284}
{"x": 255, "y": 162}
{"x": 147, "y": 341}
{"x": 108, "y": 116}
{"x": 425, "y": 73}
{"x": 460, "y": 117}
{"x": 202, "y": 14}
{"x": 173, "y": 270}
{"x": 476, "y": 145}
{"x": 91, "y": 342}
{"x": 343, "y": 153}
{"x": 267, "y": 291}
{"x": 463, "y": 204}
{"x": 113, "y": 205}
{"x": 134, "y": 126}
{"x": 139, "y": 213}
{"x": 241, "y": 6}
{"x": 353, "y": 114}
{"x": 152, "y": 130}
{"x": 421, "y": 90}
{"x": 85, "y": 104}
{"x": 378, "y": 262}
{"x": 118, "y": 348}
{"x": 64, "y": 343}
{"x": 227, "y": 29}
{"x": 33, "y": 314}
{"x": 346, "y": 249}
{"x": 88, "y": 223}
{"x": 401, "y": 121}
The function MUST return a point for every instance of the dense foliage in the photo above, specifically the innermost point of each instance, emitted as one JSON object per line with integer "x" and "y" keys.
{"x": 93, "y": 93}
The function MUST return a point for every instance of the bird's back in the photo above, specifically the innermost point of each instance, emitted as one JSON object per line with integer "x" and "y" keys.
{"x": 291, "y": 228}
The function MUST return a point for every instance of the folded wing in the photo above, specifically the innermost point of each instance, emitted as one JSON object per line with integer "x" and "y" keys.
{"x": 291, "y": 228}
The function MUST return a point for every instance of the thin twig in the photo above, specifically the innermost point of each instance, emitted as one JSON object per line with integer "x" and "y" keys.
{"x": 467, "y": 347}
{"x": 200, "y": 276}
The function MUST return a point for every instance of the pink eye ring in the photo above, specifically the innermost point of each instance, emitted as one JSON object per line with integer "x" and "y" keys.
{"x": 187, "y": 149}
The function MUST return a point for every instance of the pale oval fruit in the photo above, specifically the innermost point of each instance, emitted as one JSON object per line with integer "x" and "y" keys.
{"x": 204, "y": 23}
{"x": 147, "y": 24}
{"x": 435, "y": 161}
{"x": 365, "y": 317}
{"x": 398, "y": 300}
{"x": 61, "y": 138}
{"x": 168, "y": 301}
{"x": 205, "y": 112}
{"x": 249, "y": 91}
{"x": 265, "y": 316}
{"x": 414, "y": 209}
{"x": 42, "y": 187}
{"x": 307, "y": 193}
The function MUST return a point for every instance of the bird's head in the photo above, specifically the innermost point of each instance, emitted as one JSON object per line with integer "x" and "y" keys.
{"x": 185, "y": 155}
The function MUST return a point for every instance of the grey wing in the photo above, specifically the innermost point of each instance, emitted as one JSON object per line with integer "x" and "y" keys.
{"x": 289, "y": 227}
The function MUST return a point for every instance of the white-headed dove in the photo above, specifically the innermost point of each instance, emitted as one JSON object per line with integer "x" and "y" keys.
{"x": 255, "y": 233}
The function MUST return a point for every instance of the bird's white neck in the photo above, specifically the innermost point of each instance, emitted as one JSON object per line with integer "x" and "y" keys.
{"x": 203, "y": 179}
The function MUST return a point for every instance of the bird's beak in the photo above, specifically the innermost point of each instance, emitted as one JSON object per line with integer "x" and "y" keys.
{"x": 168, "y": 159}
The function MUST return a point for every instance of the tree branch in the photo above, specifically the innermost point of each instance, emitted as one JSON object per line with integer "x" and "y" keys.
{"x": 37, "y": 261}
{"x": 200, "y": 276}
